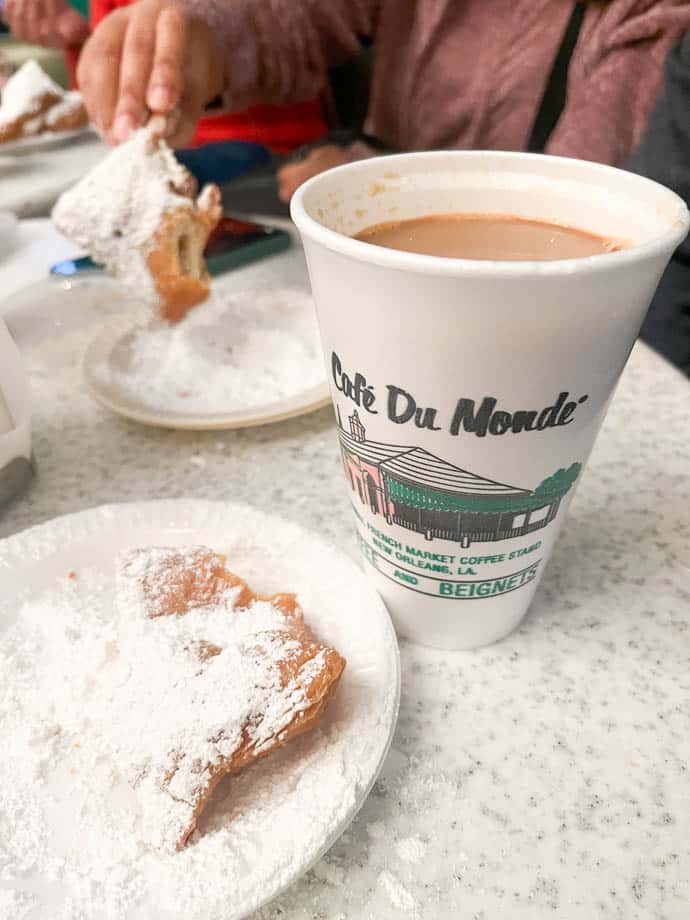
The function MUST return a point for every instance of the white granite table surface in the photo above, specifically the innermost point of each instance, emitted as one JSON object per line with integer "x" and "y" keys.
{"x": 31, "y": 182}
{"x": 542, "y": 777}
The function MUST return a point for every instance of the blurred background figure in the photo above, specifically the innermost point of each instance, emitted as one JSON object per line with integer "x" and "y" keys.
{"x": 280, "y": 128}
{"x": 596, "y": 85}
{"x": 263, "y": 129}
{"x": 664, "y": 155}
{"x": 577, "y": 79}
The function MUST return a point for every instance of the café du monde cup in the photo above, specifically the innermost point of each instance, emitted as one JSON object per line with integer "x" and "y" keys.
{"x": 468, "y": 394}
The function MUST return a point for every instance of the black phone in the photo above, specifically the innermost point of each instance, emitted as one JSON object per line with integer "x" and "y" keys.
{"x": 232, "y": 244}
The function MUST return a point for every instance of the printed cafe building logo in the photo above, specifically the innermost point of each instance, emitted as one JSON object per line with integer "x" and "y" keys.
{"x": 411, "y": 487}
{"x": 414, "y": 489}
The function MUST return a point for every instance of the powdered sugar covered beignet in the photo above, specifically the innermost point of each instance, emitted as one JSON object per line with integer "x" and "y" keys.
{"x": 213, "y": 677}
{"x": 135, "y": 213}
{"x": 66, "y": 115}
{"x": 25, "y": 97}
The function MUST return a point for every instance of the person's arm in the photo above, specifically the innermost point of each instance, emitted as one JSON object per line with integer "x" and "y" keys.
{"x": 664, "y": 154}
{"x": 335, "y": 152}
{"x": 285, "y": 47}
{"x": 160, "y": 55}
{"x": 615, "y": 77}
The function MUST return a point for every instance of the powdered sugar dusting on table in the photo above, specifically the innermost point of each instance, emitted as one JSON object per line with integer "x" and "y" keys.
{"x": 240, "y": 350}
{"x": 70, "y": 824}
{"x": 14, "y": 904}
{"x": 399, "y": 896}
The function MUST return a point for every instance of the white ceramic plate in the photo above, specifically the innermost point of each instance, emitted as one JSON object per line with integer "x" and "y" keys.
{"x": 96, "y": 313}
{"x": 109, "y": 357}
{"x": 37, "y": 143}
{"x": 249, "y": 849}
{"x": 8, "y": 228}
{"x": 53, "y": 307}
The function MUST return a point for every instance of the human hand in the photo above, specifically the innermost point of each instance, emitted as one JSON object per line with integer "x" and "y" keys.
{"x": 149, "y": 58}
{"x": 292, "y": 175}
{"x": 52, "y": 23}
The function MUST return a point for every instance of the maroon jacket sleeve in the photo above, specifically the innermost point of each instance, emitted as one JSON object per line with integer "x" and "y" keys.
{"x": 615, "y": 78}
{"x": 281, "y": 50}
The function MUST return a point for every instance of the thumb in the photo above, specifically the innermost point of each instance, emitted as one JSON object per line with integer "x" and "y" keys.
{"x": 180, "y": 128}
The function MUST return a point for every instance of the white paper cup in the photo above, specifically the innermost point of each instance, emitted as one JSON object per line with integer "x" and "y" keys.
{"x": 469, "y": 393}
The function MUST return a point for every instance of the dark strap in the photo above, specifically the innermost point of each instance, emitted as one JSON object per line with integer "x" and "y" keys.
{"x": 553, "y": 100}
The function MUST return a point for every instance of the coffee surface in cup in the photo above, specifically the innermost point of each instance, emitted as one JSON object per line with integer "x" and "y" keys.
{"x": 487, "y": 236}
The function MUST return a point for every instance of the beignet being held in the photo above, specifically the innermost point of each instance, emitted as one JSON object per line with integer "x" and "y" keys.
{"x": 137, "y": 215}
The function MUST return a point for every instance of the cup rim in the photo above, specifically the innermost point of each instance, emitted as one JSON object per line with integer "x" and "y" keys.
{"x": 443, "y": 265}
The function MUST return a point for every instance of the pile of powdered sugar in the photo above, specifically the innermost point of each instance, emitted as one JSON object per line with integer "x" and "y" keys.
{"x": 113, "y": 213}
{"x": 239, "y": 350}
{"x": 72, "y": 841}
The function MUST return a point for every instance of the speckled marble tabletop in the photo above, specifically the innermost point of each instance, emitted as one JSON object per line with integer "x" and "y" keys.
{"x": 31, "y": 183}
{"x": 545, "y": 776}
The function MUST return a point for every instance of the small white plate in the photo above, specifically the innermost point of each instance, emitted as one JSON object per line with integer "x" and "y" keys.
{"x": 37, "y": 143}
{"x": 253, "y": 844}
{"x": 8, "y": 229}
{"x": 108, "y": 361}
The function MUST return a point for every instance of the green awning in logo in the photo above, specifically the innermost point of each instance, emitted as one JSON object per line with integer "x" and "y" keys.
{"x": 428, "y": 499}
